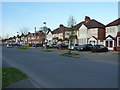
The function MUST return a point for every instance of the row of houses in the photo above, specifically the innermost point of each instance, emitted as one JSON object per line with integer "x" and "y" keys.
{"x": 89, "y": 31}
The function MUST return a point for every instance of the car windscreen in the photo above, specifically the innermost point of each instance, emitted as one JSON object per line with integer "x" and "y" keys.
{"x": 101, "y": 46}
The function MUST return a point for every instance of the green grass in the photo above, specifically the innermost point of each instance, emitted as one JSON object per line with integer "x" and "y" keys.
{"x": 69, "y": 54}
{"x": 22, "y": 48}
{"x": 0, "y": 77}
{"x": 11, "y": 75}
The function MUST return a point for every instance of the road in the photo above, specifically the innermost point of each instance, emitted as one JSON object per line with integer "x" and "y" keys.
{"x": 50, "y": 70}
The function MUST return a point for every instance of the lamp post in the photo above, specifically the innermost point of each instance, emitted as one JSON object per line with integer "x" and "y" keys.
{"x": 45, "y": 31}
{"x": 18, "y": 38}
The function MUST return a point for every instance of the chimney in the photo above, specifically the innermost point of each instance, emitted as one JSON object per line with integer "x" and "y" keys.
{"x": 61, "y": 25}
{"x": 28, "y": 32}
{"x": 87, "y": 18}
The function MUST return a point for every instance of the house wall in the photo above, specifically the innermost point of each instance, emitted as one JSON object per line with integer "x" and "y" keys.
{"x": 67, "y": 33}
{"x": 60, "y": 35}
{"x": 49, "y": 37}
{"x": 55, "y": 35}
{"x": 82, "y": 35}
{"x": 92, "y": 32}
{"x": 112, "y": 30}
{"x": 101, "y": 34}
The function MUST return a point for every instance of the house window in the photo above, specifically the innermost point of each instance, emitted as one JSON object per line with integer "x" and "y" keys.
{"x": 111, "y": 43}
{"x": 118, "y": 41}
{"x": 106, "y": 43}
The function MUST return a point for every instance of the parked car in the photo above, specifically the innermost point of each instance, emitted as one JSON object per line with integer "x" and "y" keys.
{"x": 53, "y": 46}
{"x": 85, "y": 47}
{"x": 9, "y": 46}
{"x": 36, "y": 45}
{"x": 73, "y": 46}
{"x": 99, "y": 48}
{"x": 63, "y": 45}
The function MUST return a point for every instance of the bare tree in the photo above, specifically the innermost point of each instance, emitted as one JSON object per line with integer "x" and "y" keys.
{"x": 7, "y": 36}
{"x": 24, "y": 30}
{"x": 71, "y": 24}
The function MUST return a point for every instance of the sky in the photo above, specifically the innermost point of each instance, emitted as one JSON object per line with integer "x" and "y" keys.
{"x": 17, "y": 15}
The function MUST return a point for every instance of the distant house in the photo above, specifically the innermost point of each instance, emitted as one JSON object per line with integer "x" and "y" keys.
{"x": 71, "y": 34}
{"x": 22, "y": 40}
{"x": 14, "y": 39}
{"x": 90, "y": 31}
{"x": 49, "y": 37}
{"x": 36, "y": 38}
{"x": 59, "y": 35}
{"x": 18, "y": 39}
{"x": 113, "y": 35}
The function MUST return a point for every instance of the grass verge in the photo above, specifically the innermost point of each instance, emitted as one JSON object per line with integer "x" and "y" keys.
{"x": 69, "y": 54}
{"x": 11, "y": 75}
{"x": 22, "y": 48}
{"x": 0, "y": 77}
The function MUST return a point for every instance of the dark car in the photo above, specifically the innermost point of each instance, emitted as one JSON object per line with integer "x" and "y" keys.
{"x": 36, "y": 45}
{"x": 85, "y": 47}
{"x": 63, "y": 45}
{"x": 99, "y": 48}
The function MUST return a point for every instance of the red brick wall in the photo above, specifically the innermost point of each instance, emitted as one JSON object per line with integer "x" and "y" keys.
{"x": 101, "y": 34}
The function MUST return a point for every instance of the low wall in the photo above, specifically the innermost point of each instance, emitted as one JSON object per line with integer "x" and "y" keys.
{"x": 117, "y": 48}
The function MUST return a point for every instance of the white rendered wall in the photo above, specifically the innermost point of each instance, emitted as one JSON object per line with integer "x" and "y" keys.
{"x": 112, "y": 30}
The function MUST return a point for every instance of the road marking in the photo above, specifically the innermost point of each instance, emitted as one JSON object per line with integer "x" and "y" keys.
{"x": 34, "y": 83}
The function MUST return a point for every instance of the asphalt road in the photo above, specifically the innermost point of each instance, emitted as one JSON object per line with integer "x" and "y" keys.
{"x": 49, "y": 70}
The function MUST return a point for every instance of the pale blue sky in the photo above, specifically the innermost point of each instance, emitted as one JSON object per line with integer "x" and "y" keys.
{"x": 16, "y": 15}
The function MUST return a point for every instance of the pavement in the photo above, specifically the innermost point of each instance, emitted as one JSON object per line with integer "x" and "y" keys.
{"x": 51, "y": 70}
{"x": 25, "y": 83}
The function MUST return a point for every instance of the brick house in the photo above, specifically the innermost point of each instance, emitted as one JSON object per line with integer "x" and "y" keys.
{"x": 36, "y": 38}
{"x": 112, "y": 38}
{"x": 90, "y": 31}
{"x": 59, "y": 35}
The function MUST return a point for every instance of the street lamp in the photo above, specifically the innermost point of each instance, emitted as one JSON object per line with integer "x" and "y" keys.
{"x": 18, "y": 38}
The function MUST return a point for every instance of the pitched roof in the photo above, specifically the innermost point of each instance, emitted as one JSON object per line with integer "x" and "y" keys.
{"x": 60, "y": 29}
{"x": 49, "y": 30}
{"x": 110, "y": 37}
{"x": 79, "y": 25}
{"x": 94, "y": 37}
{"x": 93, "y": 24}
{"x": 114, "y": 23}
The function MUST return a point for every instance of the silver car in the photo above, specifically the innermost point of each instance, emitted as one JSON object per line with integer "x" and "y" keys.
{"x": 9, "y": 46}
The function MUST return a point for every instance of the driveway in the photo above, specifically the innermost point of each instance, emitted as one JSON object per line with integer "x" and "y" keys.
{"x": 51, "y": 70}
